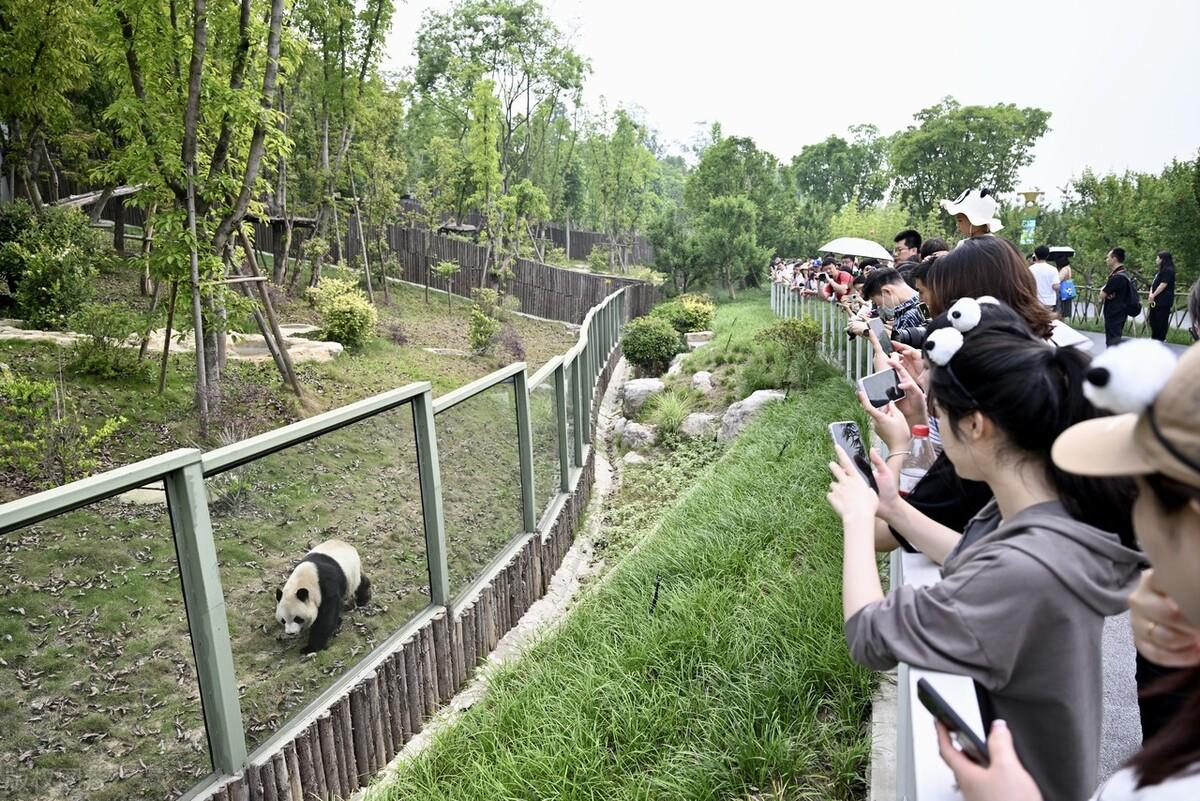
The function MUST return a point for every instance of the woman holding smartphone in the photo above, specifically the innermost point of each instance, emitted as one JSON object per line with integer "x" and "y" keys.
{"x": 1160, "y": 447}
{"x": 1024, "y": 594}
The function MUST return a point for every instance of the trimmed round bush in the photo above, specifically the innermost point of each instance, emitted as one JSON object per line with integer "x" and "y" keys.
{"x": 687, "y": 313}
{"x": 650, "y": 343}
{"x": 349, "y": 319}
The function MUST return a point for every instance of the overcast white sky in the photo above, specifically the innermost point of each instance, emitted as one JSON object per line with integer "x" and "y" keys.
{"x": 1121, "y": 78}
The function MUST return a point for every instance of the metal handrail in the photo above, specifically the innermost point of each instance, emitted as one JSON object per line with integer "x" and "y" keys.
{"x": 921, "y": 775}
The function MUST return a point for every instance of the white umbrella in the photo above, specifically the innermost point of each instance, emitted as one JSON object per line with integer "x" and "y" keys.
{"x": 853, "y": 246}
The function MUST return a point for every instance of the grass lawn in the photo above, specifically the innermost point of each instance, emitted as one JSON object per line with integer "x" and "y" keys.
{"x": 98, "y": 694}
{"x": 736, "y": 683}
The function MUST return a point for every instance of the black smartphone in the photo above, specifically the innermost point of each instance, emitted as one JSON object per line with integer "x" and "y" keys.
{"x": 924, "y": 310}
{"x": 881, "y": 388}
{"x": 966, "y": 740}
{"x": 885, "y": 341}
{"x": 847, "y": 436}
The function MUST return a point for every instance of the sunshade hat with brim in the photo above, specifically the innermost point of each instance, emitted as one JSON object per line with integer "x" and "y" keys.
{"x": 978, "y": 205}
{"x": 1164, "y": 437}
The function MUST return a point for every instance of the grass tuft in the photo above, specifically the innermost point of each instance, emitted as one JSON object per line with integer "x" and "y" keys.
{"x": 738, "y": 685}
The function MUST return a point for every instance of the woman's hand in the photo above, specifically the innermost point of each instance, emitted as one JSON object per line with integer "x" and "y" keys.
{"x": 1005, "y": 780}
{"x": 911, "y": 359}
{"x": 888, "y": 497}
{"x": 912, "y": 405}
{"x": 878, "y": 358}
{"x": 1160, "y": 632}
{"x": 849, "y": 495}
{"x": 889, "y": 423}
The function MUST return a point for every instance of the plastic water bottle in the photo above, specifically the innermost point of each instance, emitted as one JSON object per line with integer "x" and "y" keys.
{"x": 918, "y": 462}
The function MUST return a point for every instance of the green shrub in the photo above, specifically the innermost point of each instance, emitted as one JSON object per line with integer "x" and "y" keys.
{"x": 330, "y": 287}
{"x": 650, "y": 343}
{"x": 557, "y": 257}
{"x": 667, "y": 411}
{"x": 598, "y": 259}
{"x": 783, "y": 356}
{"x": 793, "y": 334}
{"x": 488, "y": 301}
{"x": 482, "y": 331}
{"x": 54, "y": 283}
{"x": 687, "y": 313}
{"x": 349, "y": 319}
{"x": 16, "y": 219}
{"x": 42, "y": 436}
{"x": 104, "y": 351}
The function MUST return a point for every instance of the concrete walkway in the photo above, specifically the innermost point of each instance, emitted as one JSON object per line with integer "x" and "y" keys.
{"x": 1098, "y": 346}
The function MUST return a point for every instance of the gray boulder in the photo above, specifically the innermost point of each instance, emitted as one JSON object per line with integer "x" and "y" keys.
{"x": 698, "y": 338}
{"x": 676, "y": 364}
{"x": 637, "y": 436}
{"x": 740, "y": 413}
{"x": 703, "y": 381}
{"x": 700, "y": 425}
{"x": 619, "y": 427}
{"x": 638, "y": 391}
{"x": 633, "y": 457}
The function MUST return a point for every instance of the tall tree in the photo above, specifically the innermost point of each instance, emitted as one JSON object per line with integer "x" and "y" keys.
{"x": 954, "y": 147}
{"x": 836, "y": 170}
{"x": 727, "y": 239}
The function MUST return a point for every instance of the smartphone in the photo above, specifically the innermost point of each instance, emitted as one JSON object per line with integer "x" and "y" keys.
{"x": 881, "y": 388}
{"x": 846, "y": 436}
{"x": 885, "y": 341}
{"x": 966, "y": 740}
{"x": 924, "y": 310}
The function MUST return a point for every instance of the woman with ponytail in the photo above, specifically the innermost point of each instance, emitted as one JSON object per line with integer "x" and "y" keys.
{"x": 1025, "y": 591}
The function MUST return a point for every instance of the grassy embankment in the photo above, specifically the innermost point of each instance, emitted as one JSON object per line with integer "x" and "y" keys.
{"x": 98, "y": 691}
{"x": 735, "y": 683}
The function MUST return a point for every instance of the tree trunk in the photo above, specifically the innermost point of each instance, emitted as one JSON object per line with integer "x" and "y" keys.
{"x": 98, "y": 206}
{"x": 166, "y": 355}
{"x": 729, "y": 282}
{"x": 145, "y": 344}
{"x": 283, "y": 358}
{"x": 202, "y": 387}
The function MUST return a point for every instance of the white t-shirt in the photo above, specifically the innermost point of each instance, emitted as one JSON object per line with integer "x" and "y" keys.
{"x": 1046, "y": 276}
{"x": 1121, "y": 787}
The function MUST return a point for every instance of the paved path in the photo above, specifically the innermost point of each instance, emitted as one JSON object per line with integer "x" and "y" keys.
{"x": 1121, "y": 730}
{"x": 1098, "y": 346}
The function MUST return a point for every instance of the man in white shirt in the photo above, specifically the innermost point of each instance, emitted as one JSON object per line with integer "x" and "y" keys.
{"x": 1046, "y": 276}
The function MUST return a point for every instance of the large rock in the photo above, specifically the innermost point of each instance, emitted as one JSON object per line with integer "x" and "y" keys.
{"x": 740, "y": 413}
{"x": 638, "y": 391}
{"x": 703, "y": 382}
{"x": 700, "y": 425}
{"x": 637, "y": 436}
{"x": 698, "y": 338}
{"x": 676, "y": 364}
{"x": 619, "y": 427}
{"x": 633, "y": 457}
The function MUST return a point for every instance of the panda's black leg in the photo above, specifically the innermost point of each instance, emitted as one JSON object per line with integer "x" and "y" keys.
{"x": 329, "y": 617}
{"x": 363, "y": 594}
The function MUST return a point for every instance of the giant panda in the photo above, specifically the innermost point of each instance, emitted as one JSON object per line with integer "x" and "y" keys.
{"x": 328, "y": 576}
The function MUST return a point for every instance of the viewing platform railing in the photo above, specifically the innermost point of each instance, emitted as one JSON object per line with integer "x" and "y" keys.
{"x": 920, "y": 774}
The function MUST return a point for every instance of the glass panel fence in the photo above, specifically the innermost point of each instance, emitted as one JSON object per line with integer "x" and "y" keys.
{"x": 98, "y": 691}
{"x": 358, "y": 485}
{"x": 543, "y": 414}
{"x": 481, "y": 490}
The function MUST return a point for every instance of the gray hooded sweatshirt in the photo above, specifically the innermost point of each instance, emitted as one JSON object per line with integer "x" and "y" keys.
{"x": 1021, "y": 612}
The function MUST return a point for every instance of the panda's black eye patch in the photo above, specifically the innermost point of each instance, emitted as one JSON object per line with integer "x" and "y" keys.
{"x": 298, "y": 620}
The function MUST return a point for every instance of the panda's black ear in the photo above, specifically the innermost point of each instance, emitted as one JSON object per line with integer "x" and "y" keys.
{"x": 278, "y": 594}
{"x": 302, "y": 594}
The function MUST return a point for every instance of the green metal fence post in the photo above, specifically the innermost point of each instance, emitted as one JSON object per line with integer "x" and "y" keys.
{"x": 564, "y": 447}
{"x": 187, "y": 504}
{"x": 430, "y": 473}
{"x": 577, "y": 410}
{"x": 525, "y": 450}
{"x": 586, "y": 378}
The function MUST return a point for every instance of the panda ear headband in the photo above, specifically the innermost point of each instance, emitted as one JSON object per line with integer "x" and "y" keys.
{"x": 1127, "y": 379}
{"x": 942, "y": 345}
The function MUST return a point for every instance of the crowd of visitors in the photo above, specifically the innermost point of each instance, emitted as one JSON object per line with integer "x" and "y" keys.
{"x": 1064, "y": 490}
